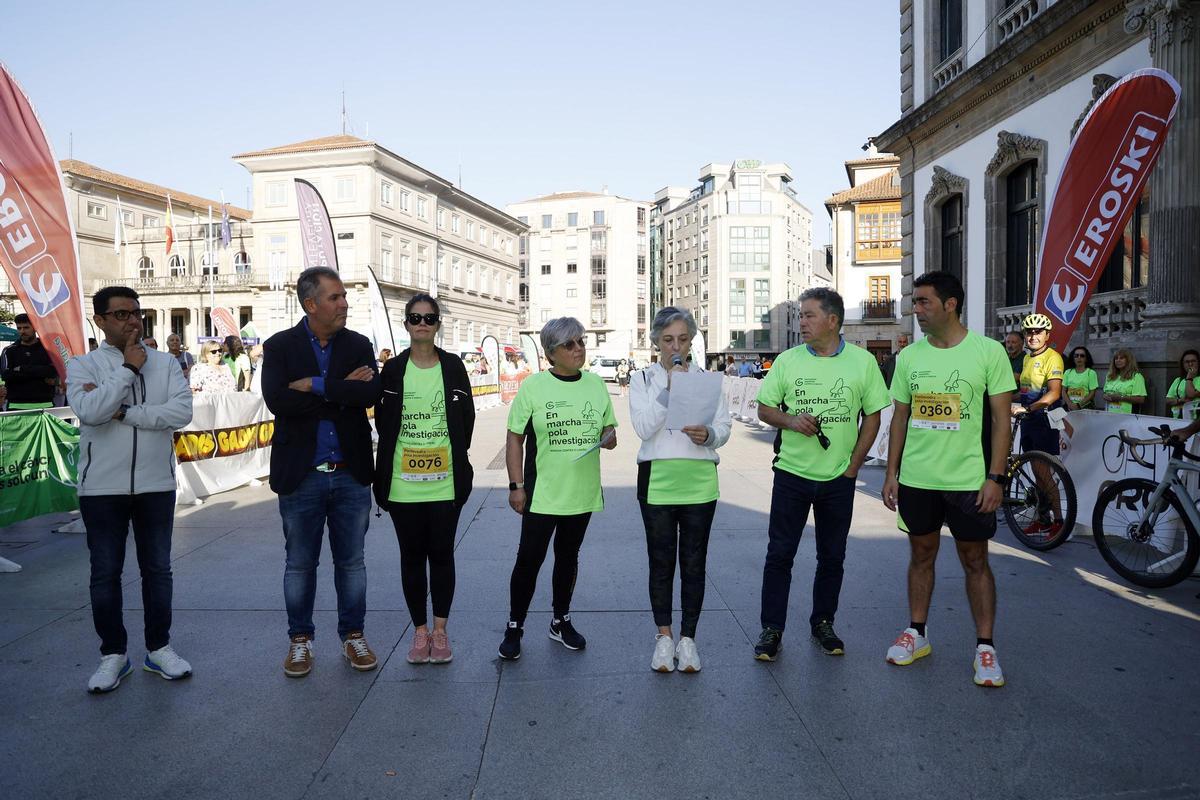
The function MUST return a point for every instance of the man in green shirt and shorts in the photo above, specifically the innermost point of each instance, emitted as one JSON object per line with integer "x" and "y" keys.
{"x": 938, "y": 472}
{"x": 815, "y": 395}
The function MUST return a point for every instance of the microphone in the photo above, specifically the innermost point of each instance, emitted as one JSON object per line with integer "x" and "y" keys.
{"x": 676, "y": 361}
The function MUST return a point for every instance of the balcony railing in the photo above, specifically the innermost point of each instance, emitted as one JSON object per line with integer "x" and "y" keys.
{"x": 879, "y": 309}
{"x": 948, "y": 70}
{"x": 1108, "y": 315}
{"x": 1016, "y": 17}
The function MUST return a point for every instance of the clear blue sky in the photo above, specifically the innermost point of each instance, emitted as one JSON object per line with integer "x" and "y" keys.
{"x": 530, "y": 97}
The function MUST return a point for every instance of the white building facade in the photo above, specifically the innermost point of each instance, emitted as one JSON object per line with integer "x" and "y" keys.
{"x": 587, "y": 256}
{"x": 991, "y": 96}
{"x": 736, "y": 251}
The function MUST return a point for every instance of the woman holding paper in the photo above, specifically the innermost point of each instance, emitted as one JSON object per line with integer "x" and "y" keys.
{"x": 564, "y": 416}
{"x": 677, "y": 485}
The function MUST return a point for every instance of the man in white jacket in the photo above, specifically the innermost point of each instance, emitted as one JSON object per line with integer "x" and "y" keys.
{"x": 130, "y": 401}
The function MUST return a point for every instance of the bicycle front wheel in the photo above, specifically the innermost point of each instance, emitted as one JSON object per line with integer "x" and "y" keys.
{"x": 1152, "y": 549}
{"x": 1039, "y": 500}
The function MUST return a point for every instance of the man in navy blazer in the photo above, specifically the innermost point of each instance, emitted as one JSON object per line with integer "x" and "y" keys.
{"x": 319, "y": 379}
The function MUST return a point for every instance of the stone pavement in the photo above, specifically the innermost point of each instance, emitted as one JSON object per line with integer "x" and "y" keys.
{"x": 1101, "y": 700}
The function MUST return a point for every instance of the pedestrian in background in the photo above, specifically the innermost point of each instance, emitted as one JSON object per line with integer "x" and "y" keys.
{"x": 319, "y": 379}
{"x": 425, "y": 419}
{"x": 1080, "y": 381}
{"x": 1186, "y": 387}
{"x": 27, "y": 371}
{"x": 561, "y": 414}
{"x": 211, "y": 375}
{"x": 1125, "y": 386}
{"x": 130, "y": 401}
{"x": 677, "y": 489}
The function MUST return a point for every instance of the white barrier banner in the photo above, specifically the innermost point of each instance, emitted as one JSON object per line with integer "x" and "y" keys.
{"x": 227, "y": 444}
{"x": 748, "y": 410}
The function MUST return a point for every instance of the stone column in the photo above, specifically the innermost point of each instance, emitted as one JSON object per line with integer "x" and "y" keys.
{"x": 1172, "y": 314}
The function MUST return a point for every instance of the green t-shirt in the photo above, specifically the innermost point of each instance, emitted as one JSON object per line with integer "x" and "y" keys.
{"x": 681, "y": 482}
{"x": 1134, "y": 386}
{"x": 944, "y": 388}
{"x": 834, "y": 389}
{"x": 1077, "y": 384}
{"x": 567, "y": 418}
{"x": 422, "y": 469}
{"x": 1178, "y": 391}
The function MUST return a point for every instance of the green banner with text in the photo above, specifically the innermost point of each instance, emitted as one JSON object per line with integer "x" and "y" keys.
{"x": 38, "y": 458}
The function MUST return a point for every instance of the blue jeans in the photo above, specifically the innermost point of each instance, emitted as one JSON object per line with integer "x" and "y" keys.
{"x": 832, "y": 504}
{"x": 343, "y": 502}
{"x": 107, "y": 518}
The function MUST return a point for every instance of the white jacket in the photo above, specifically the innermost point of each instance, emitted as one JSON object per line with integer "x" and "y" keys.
{"x": 135, "y": 455}
{"x": 648, "y": 413}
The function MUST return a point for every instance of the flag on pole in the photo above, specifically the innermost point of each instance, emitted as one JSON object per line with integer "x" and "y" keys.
{"x": 170, "y": 227}
{"x": 226, "y": 230}
{"x": 118, "y": 228}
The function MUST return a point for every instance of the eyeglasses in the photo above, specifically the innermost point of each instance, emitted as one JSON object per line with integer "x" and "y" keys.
{"x": 571, "y": 344}
{"x": 122, "y": 315}
{"x": 1034, "y": 331}
{"x": 429, "y": 319}
{"x": 1079, "y": 355}
{"x": 212, "y": 352}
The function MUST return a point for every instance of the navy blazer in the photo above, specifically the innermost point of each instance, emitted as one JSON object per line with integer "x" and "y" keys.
{"x": 288, "y": 356}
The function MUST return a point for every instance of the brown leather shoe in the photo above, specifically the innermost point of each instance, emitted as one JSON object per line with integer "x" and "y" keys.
{"x": 299, "y": 661}
{"x": 359, "y": 652}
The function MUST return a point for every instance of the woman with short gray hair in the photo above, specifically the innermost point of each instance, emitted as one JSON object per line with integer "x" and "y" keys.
{"x": 562, "y": 414}
{"x": 677, "y": 488}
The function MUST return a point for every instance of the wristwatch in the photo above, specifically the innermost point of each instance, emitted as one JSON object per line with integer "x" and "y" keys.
{"x": 513, "y": 486}
{"x": 121, "y": 411}
{"x": 997, "y": 477}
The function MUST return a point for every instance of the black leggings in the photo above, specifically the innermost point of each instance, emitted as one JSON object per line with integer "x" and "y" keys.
{"x": 682, "y": 531}
{"x": 425, "y": 532}
{"x": 536, "y": 532}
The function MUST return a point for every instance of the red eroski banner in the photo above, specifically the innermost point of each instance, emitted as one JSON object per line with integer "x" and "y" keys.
{"x": 1107, "y": 165}
{"x": 37, "y": 237}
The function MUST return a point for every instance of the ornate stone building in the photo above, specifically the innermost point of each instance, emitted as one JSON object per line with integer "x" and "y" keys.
{"x": 991, "y": 94}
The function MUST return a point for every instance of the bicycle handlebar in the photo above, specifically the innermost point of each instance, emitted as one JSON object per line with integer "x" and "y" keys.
{"x": 1162, "y": 437}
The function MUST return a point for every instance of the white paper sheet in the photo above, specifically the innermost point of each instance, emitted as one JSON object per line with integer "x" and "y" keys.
{"x": 693, "y": 399}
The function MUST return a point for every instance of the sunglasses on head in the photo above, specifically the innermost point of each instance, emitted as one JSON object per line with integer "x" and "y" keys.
{"x": 571, "y": 344}
{"x": 429, "y": 319}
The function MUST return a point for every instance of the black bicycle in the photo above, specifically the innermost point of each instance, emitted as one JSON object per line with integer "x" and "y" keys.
{"x": 1039, "y": 497}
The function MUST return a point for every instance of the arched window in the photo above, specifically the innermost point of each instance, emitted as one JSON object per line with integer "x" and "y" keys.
{"x": 145, "y": 268}
{"x": 241, "y": 262}
{"x": 178, "y": 266}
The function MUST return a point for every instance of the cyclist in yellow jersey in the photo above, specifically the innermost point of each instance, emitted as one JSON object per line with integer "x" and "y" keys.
{"x": 1039, "y": 390}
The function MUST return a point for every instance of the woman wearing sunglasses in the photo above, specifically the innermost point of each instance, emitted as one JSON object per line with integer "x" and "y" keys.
{"x": 1080, "y": 380}
{"x": 210, "y": 374}
{"x": 425, "y": 419}
{"x": 563, "y": 415}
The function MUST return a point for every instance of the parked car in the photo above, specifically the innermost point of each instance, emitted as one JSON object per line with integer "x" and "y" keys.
{"x": 605, "y": 367}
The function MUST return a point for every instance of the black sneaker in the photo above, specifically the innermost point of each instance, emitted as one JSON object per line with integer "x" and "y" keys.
{"x": 769, "y": 642}
{"x": 510, "y": 648}
{"x": 823, "y": 635}
{"x": 561, "y": 630}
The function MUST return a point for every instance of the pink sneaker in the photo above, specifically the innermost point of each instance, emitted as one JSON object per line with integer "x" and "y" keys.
{"x": 439, "y": 652}
{"x": 419, "y": 654}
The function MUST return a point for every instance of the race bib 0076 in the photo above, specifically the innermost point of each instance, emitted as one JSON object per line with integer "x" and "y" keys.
{"x": 425, "y": 464}
{"x": 937, "y": 411}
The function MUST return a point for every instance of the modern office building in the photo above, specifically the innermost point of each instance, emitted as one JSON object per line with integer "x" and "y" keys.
{"x": 736, "y": 251}
{"x": 587, "y": 256}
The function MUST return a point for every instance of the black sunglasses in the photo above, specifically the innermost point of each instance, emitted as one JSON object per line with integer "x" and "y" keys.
{"x": 571, "y": 344}
{"x": 429, "y": 319}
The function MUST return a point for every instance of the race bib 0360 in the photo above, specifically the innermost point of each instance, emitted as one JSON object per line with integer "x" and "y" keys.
{"x": 937, "y": 411}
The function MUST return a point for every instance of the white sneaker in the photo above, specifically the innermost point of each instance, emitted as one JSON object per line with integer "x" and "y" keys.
{"x": 686, "y": 655}
{"x": 908, "y": 647}
{"x": 664, "y": 654}
{"x": 109, "y": 674}
{"x": 166, "y": 663}
{"x": 987, "y": 668}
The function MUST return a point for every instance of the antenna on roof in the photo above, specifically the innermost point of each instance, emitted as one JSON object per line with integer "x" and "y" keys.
{"x": 343, "y": 110}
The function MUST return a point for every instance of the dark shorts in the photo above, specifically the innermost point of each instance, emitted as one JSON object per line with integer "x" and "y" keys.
{"x": 924, "y": 511}
{"x": 1036, "y": 434}
{"x": 622, "y": 381}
